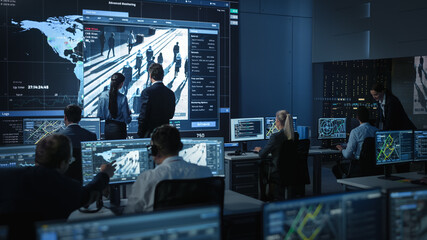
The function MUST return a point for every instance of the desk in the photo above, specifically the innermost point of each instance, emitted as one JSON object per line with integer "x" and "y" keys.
{"x": 384, "y": 184}
{"x": 315, "y": 151}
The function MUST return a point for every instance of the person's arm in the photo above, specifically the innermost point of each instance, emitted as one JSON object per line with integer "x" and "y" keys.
{"x": 142, "y": 119}
{"x": 99, "y": 183}
{"x": 351, "y": 146}
{"x": 269, "y": 147}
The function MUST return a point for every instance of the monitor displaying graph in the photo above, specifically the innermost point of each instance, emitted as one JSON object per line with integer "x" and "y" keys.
{"x": 393, "y": 146}
{"x": 332, "y": 128}
{"x": 352, "y": 215}
{"x": 17, "y": 156}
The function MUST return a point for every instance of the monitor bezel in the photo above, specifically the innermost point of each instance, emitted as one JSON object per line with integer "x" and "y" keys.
{"x": 261, "y": 137}
{"x": 413, "y": 142}
{"x": 330, "y": 138}
{"x": 395, "y": 162}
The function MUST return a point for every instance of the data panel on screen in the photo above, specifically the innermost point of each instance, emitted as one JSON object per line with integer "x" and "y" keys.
{"x": 393, "y": 146}
{"x": 17, "y": 156}
{"x": 246, "y": 129}
{"x": 205, "y": 152}
{"x": 34, "y": 129}
{"x": 332, "y": 128}
{"x": 184, "y": 224}
{"x": 131, "y": 158}
{"x": 408, "y": 214}
{"x": 355, "y": 215}
{"x": 420, "y": 145}
{"x": 54, "y": 55}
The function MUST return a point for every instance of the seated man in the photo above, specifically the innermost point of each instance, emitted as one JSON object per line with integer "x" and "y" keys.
{"x": 43, "y": 192}
{"x": 165, "y": 146}
{"x": 77, "y": 134}
{"x": 355, "y": 141}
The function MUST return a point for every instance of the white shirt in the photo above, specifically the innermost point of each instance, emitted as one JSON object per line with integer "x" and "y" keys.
{"x": 355, "y": 141}
{"x": 382, "y": 103}
{"x": 141, "y": 198}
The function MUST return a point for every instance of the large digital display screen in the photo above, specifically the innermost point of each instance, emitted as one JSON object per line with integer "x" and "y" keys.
{"x": 51, "y": 55}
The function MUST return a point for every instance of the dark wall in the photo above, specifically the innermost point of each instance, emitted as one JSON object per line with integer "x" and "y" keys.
{"x": 275, "y": 54}
{"x": 363, "y": 29}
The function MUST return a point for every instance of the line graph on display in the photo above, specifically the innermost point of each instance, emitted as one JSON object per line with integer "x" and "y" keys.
{"x": 46, "y": 101}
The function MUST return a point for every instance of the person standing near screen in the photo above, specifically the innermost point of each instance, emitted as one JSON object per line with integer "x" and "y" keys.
{"x": 175, "y": 51}
{"x": 131, "y": 41}
{"x": 114, "y": 109}
{"x": 157, "y": 103}
{"x": 391, "y": 115}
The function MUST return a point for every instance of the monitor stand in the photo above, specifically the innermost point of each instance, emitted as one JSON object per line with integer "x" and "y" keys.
{"x": 388, "y": 176}
{"x": 244, "y": 147}
{"x": 115, "y": 203}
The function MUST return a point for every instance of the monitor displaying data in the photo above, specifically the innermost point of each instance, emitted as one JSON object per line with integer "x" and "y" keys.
{"x": 353, "y": 215}
{"x": 17, "y": 156}
{"x": 205, "y": 152}
{"x": 332, "y": 128}
{"x": 246, "y": 129}
{"x": 408, "y": 214}
{"x": 185, "y": 224}
{"x": 270, "y": 125}
{"x": 420, "y": 145}
{"x": 34, "y": 129}
{"x": 131, "y": 158}
{"x": 393, "y": 146}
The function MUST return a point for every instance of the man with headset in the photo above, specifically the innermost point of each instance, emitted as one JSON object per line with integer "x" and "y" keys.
{"x": 165, "y": 146}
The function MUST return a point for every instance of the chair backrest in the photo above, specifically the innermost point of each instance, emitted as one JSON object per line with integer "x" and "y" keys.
{"x": 292, "y": 163}
{"x": 367, "y": 158}
{"x": 189, "y": 192}
{"x": 75, "y": 169}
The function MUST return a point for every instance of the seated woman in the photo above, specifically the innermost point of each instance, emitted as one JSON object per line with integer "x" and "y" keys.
{"x": 282, "y": 146}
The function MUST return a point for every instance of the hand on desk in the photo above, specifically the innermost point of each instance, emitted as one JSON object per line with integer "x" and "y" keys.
{"x": 256, "y": 149}
{"x": 339, "y": 147}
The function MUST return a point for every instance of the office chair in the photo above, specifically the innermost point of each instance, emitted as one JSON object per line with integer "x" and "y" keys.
{"x": 189, "y": 192}
{"x": 367, "y": 158}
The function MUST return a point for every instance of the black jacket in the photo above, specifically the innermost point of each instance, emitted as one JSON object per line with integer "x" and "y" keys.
{"x": 395, "y": 116}
{"x": 157, "y": 108}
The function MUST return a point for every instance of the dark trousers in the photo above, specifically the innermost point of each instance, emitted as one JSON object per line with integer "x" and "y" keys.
{"x": 115, "y": 130}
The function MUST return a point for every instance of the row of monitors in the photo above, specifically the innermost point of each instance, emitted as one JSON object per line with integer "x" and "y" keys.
{"x": 257, "y": 128}
{"x": 131, "y": 156}
{"x": 260, "y": 128}
{"x": 400, "y": 146}
{"x": 352, "y": 215}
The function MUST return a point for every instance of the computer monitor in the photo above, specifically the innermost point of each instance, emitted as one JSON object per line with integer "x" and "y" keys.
{"x": 407, "y": 210}
{"x": 131, "y": 158}
{"x": 190, "y": 224}
{"x": 393, "y": 147}
{"x": 420, "y": 145}
{"x": 205, "y": 152}
{"x": 332, "y": 128}
{"x": 17, "y": 156}
{"x": 247, "y": 129}
{"x": 34, "y": 129}
{"x": 92, "y": 125}
{"x": 270, "y": 125}
{"x": 351, "y": 215}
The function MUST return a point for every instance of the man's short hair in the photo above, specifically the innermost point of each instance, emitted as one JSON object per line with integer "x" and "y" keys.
{"x": 73, "y": 113}
{"x": 156, "y": 71}
{"x": 363, "y": 114}
{"x": 378, "y": 87}
{"x": 52, "y": 150}
{"x": 167, "y": 140}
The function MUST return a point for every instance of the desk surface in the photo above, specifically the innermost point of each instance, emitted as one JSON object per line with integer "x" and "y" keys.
{"x": 314, "y": 150}
{"x": 234, "y": 203}
{"x": 375, "y": 181}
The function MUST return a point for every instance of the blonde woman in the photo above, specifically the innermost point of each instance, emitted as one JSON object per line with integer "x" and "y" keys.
{"x": 274, "y": 146}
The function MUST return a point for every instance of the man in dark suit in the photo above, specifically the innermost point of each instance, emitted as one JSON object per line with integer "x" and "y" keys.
{"x": 157, "y": 103}
{"x": 77, "y": 134}
{"x": 391, "y": 115}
